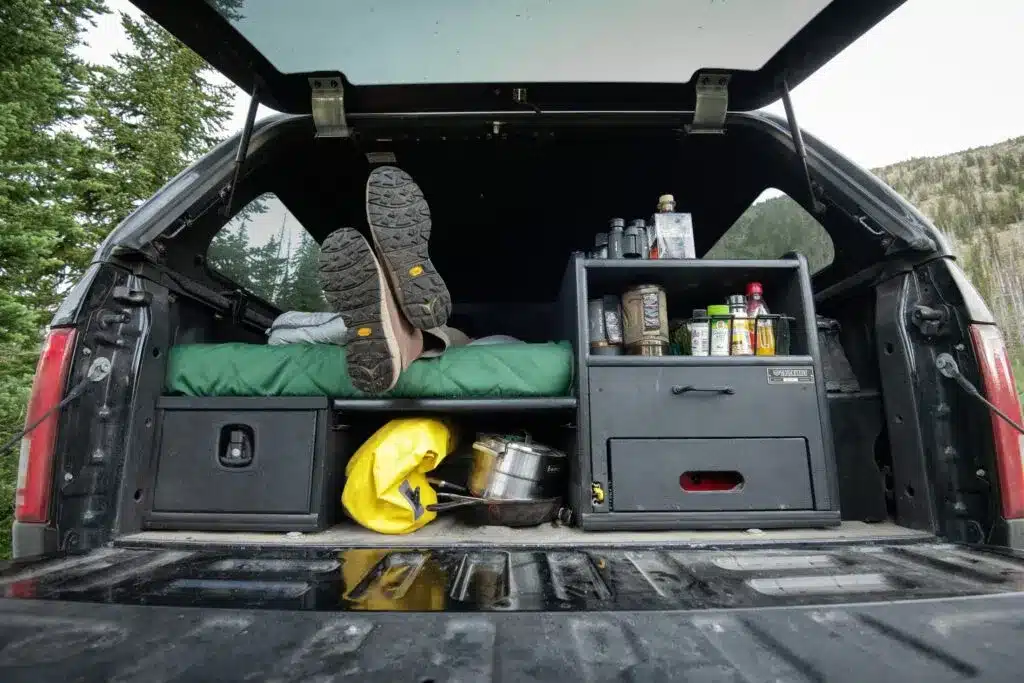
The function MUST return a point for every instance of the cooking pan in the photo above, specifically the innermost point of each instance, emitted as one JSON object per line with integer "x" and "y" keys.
{"x": 508, "y": 512}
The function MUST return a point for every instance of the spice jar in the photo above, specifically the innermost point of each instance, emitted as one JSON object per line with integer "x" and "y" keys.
{"x": 699, "y": 328}
{"x": 741, "y": 340}
{"x": 720, "y": 328}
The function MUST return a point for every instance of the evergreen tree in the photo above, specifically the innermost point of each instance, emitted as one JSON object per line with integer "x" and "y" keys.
{"x": 41, "y": 85}
{"x": 228, "y": 252}
{"x": 266, "y": 269}
{"x": 303, "y": 291}
{"x": 61, "y": 193}
{"x": 152, "y": 113}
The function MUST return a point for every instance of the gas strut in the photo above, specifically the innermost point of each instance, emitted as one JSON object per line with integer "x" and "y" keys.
{"x": 947, "y": 367}
{"x": 801, "y": 152}
{"x": 243, "y": 149}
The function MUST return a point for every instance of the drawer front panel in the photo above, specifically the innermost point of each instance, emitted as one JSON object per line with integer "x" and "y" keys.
{"x": 190, "y": 477}
{"x": 682, "y": 402}
{"x": 708, "y": 475}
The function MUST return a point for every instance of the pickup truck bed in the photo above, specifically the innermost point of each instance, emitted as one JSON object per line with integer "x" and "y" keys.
{"x": 911, "y": 610}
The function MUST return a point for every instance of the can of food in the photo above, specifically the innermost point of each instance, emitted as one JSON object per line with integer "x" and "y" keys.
{"x": 595, "y": 320}
{"x": 613, "y": 320}
{"x": 645, "y": 321}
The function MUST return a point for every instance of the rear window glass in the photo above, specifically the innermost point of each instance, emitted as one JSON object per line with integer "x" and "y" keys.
{"x": 772, "y": 226}
{"x": 460, "y": 41}
{"x": 266, "y": 251}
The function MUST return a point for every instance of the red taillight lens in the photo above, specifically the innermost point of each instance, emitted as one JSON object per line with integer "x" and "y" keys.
{"x": 35, "y": 467}
{"x": 999, "y": 388}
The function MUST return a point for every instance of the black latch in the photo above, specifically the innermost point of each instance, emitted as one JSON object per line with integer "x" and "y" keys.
{"x": 932, "y": 322}
{"x": 130, "y": 296}
{"x": 236, "y": 446}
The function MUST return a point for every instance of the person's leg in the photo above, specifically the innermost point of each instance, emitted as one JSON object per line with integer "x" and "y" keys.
{"x": 381, "y": 342}
{"x": 399, "y": 220}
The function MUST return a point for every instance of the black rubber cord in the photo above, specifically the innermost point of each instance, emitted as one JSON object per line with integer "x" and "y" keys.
{"x": 98, "y": 371}
{"x": 948, "y": 368}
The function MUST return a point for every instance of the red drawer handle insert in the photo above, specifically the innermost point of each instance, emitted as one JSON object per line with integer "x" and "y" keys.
{"x": 715, "y": 481}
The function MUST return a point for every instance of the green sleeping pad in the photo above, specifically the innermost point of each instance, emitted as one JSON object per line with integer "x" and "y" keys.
{"x": 475, "y": 371}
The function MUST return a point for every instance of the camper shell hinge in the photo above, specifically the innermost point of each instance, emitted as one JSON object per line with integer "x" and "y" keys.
{"x": 712, "y": 104}
{"x": 328, "y": 106}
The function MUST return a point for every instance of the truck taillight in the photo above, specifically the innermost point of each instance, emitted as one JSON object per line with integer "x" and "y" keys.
{"x": 999, "y": 388}
{"x": 35, "y": 467}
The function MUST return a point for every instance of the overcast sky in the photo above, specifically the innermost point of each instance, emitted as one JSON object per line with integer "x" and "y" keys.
{"x": 937, "y": 76}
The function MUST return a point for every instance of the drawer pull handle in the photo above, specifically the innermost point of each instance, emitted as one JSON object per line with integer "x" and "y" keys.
{"x": 711, "y": 481}
{"x": 689, "y": 388}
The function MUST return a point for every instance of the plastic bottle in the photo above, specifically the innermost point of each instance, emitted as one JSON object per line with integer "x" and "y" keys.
{"x": 741, "y": 342}
{"x": 672, "y": 232}
{"x": 666, "y": 204}
{"x": 763, "y": 332}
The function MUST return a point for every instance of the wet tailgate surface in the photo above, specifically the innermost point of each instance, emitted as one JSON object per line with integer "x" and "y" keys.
{"x": 643, "y": 615}
{"x": 596, "y": 579}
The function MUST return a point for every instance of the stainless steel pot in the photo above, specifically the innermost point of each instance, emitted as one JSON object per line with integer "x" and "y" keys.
{"x": 509, "y": 470}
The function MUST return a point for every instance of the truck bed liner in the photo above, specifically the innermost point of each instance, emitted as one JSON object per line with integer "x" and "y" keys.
{"x": 863, "y": 612}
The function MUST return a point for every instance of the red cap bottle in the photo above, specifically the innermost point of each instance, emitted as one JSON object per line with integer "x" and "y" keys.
{"x": 754, "y": 288}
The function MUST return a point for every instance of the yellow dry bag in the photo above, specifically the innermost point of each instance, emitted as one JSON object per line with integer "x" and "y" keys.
{"x": 386, "y": 488}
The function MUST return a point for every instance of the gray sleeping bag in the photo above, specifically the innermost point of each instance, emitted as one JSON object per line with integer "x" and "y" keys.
{"x": 296, "y": 327}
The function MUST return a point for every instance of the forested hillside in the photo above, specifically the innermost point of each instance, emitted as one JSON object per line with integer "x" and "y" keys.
{"x": 975, "y": 197}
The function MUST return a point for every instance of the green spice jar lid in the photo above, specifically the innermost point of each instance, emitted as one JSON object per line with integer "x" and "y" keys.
{"x": 716, "y": 310}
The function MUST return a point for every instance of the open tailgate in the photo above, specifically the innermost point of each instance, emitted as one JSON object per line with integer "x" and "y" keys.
{"x": 859, "y": 612}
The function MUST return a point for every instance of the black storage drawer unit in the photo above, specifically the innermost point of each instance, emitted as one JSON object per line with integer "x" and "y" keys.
{"x": 266, "y": 464}
{"x": 683, "y": 442}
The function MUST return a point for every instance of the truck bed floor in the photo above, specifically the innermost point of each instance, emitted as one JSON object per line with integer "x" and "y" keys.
{"x": 805, "y": 612}
{"x": 446, "y": 532}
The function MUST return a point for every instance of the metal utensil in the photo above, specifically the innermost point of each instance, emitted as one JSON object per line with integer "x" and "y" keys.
{"x": 504, "y": 512}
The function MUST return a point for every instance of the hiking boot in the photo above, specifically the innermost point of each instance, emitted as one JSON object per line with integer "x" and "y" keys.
{"x": 399, "y": 220}
{"x": 381, "y": 342}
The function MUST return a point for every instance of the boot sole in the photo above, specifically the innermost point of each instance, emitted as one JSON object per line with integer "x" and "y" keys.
{"x": 399, "y": 220}
{"x": 353, "y": 284}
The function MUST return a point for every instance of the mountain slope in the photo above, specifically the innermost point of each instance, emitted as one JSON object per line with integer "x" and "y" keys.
{"x": 976, "y": 197}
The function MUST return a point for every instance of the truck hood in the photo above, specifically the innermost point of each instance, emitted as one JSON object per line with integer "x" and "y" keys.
{"x": 475, "y": 56}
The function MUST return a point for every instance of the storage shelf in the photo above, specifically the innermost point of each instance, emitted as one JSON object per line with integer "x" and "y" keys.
{"x": 696, "y": 361}
{"x": 461, "y": 405}
{"x": 704, "y": 264}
